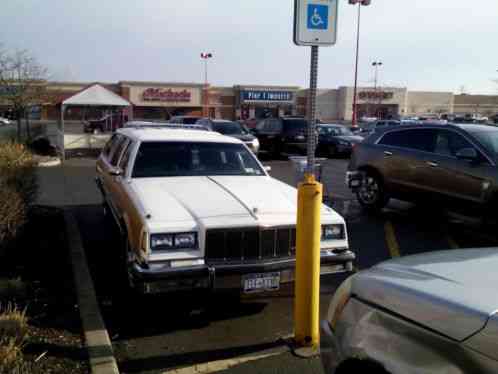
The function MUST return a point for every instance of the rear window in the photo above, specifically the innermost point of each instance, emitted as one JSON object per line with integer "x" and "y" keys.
{"x": 190, "y": 120}
{"x": 295, "y": 125}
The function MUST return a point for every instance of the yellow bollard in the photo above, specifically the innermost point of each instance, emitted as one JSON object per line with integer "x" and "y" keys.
{"x": 307, "y": 282}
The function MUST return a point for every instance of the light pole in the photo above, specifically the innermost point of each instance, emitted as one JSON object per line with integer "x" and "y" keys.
{"x": 376, "y": 65}
{"x": 355, "y": 93}
{"x": 206, "y": 56}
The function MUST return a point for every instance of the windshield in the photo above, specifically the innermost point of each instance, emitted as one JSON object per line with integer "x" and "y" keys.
{"x": 180, "y": 159}
{"x": 334, "y": 131}
{"x": 229, "y": 128}
{"x": 488, "y": 138}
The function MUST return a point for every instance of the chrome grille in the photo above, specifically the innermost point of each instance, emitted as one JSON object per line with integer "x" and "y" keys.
{"x": 246, "y": 244}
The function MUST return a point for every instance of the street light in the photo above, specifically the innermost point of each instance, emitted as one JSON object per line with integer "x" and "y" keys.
{"x": 206, "y": 56}
{"x": 360, "y": 4}
{"x": 376, "y": 65}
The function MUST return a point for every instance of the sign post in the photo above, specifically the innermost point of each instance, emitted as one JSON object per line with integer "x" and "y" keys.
{"x": 315, "y": 24}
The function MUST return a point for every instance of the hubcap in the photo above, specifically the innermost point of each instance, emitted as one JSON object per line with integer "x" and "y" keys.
{"x": 369, "y": 192}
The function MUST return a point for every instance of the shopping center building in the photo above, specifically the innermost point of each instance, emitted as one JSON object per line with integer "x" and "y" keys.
{"x": 162, "y": 100}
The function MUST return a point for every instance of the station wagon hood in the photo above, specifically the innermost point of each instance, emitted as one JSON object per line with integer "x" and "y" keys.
{"x": 200, "y": 199}
{"x": 450, "y": 292}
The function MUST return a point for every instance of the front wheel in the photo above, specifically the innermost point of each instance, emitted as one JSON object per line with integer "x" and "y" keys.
{"x": 372, "y": 194}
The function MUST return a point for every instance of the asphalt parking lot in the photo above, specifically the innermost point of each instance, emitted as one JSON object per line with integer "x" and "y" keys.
{"x": 161, "y": 333}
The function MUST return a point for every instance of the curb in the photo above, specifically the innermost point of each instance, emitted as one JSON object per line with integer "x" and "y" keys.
{"x": 97, "y": 342}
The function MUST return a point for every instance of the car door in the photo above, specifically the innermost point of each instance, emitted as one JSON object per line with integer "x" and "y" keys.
{"x": 111, "y": 180}
{"x": 403, "y": 163}
{"x": 457, "y": 181}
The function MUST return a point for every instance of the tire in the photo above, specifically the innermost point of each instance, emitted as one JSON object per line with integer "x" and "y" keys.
{"x": 372, "y": 196}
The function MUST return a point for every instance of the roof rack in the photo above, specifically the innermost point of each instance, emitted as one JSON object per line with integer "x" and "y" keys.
{"x": 159, "y": 125}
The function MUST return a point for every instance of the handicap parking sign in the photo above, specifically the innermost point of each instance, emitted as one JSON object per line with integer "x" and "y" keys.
{"x": 318, "y": 17}
{"x": 315, "y": 22}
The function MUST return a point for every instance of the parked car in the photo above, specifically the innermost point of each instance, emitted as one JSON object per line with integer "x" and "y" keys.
{"x": 108, "y": 122}
{"x": 429, "y": 313}
{"x": 335, "y": 140}
{"x": 234, "y": 129}
{"x": 187, "y": 120}
{"x": 198, "y": 211}
{"x": 452, "y": 165}
{"x": 282, "y": 135}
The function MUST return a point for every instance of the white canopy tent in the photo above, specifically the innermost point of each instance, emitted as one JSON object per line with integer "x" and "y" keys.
{"x": 92, "y": 96}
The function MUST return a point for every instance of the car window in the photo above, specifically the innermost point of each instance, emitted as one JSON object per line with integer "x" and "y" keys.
{"x": 260, "y": 126}
{"x": 229, "y": 128}
{"x": 123, "y": 164}
{"x": 449, "y": 143}
{"x": 488, "y": 138}
{"x": 115, "y": 144}
{"x": 276, "y": 126}
{"x": 118, "y": 151}
{"x": 176, "y": 159}
{"x": 107, "y": 148}
{"x": 416, "y": 139}
{"x": 295, "y": 125}
{"x": 189, "y": 120}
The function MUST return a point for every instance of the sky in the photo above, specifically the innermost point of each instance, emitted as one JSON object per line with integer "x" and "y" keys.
{"x": 427, "y": 45}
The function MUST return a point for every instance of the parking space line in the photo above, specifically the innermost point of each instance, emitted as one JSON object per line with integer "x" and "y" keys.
{"x": 392, "y": 242}
{"x": 215, "y": 366}
{"x": 453, "y": 244}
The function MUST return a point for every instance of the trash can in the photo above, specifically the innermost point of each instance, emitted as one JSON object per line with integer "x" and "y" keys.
{"x": 300, "y": 164}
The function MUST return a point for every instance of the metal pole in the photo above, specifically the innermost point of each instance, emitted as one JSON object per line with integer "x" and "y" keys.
{"x": 310, "y": 167}
{"x": 354, "y": 122}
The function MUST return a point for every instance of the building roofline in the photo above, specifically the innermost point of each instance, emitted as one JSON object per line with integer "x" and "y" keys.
{"x": 248, "y": 86}
{"x": 155, "y": 83}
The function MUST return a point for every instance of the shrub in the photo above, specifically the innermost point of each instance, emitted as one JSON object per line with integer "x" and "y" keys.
{"x": 13, "y": 324}
{"x": 11, "y": 356}
{"x": 13, "y": 334}
{"x": 18, "y": 170}
{"x": 13, "y": 211}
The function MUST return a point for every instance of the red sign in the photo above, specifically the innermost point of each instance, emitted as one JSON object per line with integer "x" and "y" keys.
{"x": 158, "y": 94}
{"x": 375, "y": 95}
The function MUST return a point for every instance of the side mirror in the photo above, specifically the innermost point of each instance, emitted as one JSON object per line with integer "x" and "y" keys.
{"x": 468, "y": 154}
{"x": 267, "y": 168}
{"x": 115, "y": 172}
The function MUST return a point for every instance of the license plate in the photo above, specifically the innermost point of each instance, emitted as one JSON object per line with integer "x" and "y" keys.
{"x": 261, "y": 282}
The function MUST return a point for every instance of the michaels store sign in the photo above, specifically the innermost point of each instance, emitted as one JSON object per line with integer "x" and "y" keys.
{"x": 268, "y": 96}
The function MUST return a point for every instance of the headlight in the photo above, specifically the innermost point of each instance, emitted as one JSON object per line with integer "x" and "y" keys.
{"x": 333, "y": 232}
{"x": 165, "y": 242}
{"x": 187, "y": 240}
{"x": 255, "y": 143}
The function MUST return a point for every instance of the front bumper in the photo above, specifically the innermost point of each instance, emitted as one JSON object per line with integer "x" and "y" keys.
{"x": 226, "y": 276}
{"x": 330, "y": 350}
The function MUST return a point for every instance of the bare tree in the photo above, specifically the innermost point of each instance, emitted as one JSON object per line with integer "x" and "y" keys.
{"x": 22, "y": 84}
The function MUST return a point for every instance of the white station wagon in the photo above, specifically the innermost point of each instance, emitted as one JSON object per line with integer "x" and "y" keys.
{"x": 197, "y": 210}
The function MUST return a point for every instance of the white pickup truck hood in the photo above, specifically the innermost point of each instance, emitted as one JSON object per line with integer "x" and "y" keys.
{"x": 222, "y": 200}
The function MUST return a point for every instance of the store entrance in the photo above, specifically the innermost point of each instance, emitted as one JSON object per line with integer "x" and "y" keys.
{"x": 380, "y": 111}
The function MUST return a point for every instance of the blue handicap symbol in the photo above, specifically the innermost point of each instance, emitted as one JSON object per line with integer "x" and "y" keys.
{"x": 318, "y": 17}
